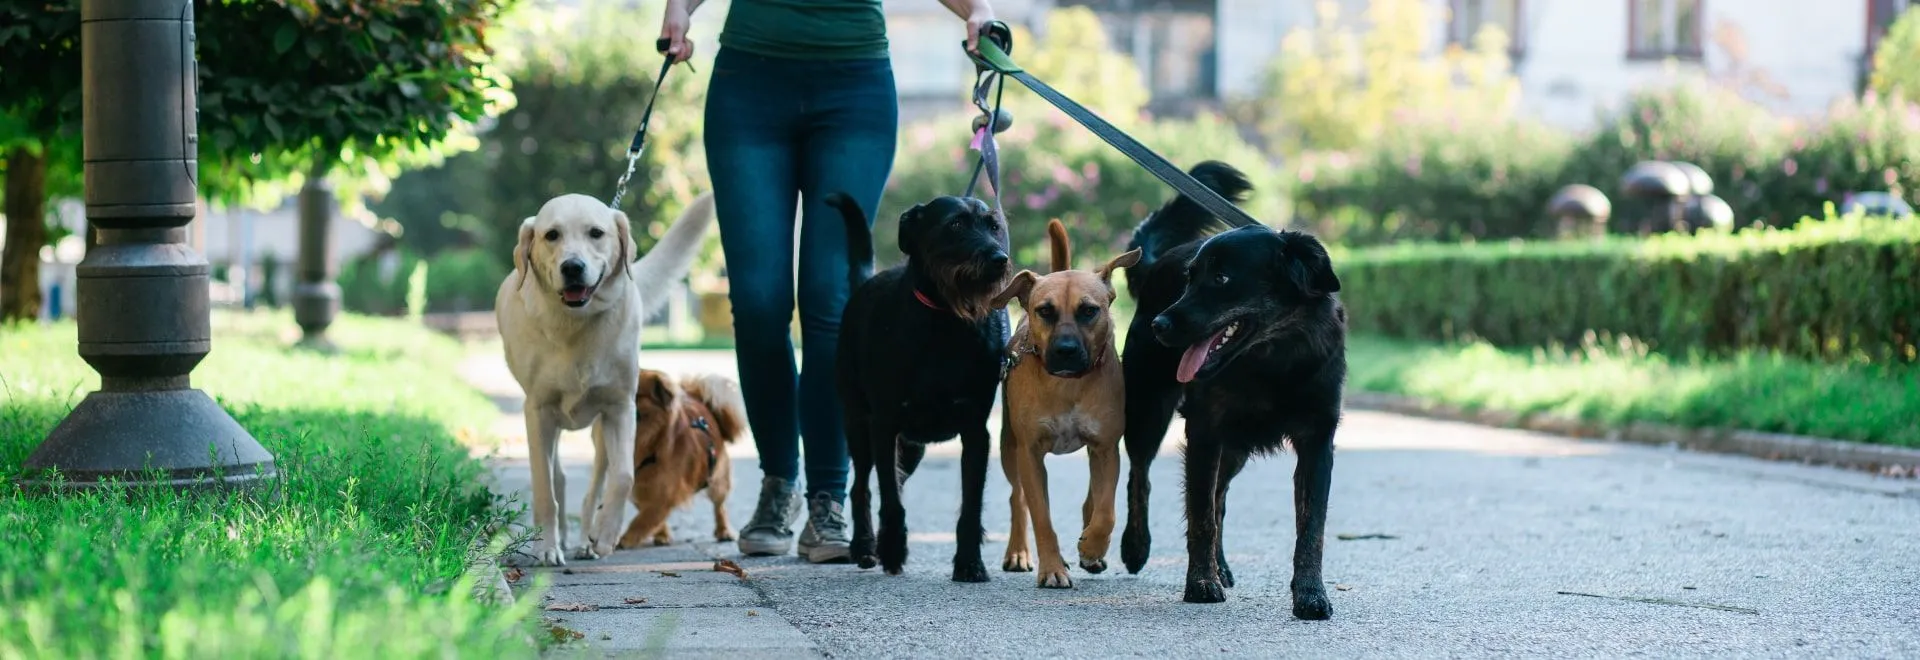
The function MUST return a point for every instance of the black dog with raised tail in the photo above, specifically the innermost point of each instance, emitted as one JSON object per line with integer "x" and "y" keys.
{"x": 1242, "y": 331}
{"x": 923, "y": 349}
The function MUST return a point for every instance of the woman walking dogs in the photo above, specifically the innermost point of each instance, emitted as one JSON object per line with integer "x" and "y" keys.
{"x": 801, "y": 103}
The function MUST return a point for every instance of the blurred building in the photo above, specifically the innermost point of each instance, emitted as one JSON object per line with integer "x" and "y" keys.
{"x": 1573, "y": 57}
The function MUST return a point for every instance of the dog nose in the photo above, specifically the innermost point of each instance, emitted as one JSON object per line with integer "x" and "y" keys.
{"x": 1161, "y": 325}
{"x": 573, "y": 268}
{"x": 998, "y": 259}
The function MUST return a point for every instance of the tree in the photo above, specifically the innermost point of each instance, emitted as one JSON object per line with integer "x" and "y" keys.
{"x": 39, "y": 114}
{"x": 302, "y": 89}
{"x": 1896, "y": 60}
{"x": 581, "y": 82}
{"x": 1332, "y": 89}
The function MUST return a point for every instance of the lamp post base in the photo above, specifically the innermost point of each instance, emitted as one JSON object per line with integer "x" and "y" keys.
{"x": 178, "y": 438}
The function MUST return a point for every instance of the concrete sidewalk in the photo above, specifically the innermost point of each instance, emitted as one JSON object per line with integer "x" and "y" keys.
{"x": 1465, "y": 541}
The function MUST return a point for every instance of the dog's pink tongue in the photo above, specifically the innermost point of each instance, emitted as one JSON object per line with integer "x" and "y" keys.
{"x": 574, "y": 295}
{"x": 1196, "y": 357}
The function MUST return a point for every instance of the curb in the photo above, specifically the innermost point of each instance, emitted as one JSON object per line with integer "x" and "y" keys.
{"x": 1878, "y": 459}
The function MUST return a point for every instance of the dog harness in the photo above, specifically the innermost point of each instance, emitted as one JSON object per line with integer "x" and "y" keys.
{"x": 696, "y": 423}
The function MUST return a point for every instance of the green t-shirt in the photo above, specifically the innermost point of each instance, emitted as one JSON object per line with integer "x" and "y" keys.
{"x": 807, "y": 29}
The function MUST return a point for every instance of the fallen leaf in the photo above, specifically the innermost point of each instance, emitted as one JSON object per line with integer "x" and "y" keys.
{"x": 752, "y": 613}
{"x": 1364, "y": 537}
{"x": 566, "y": 571}
{"x": 667, "y": 574}
{"x": 636, "y": 601}
{"x": 562, "y": 634}
{"x": 1343, "y": 587}
{"x": 514, "y": 574}
{"x": 572, "y": 607}
{"x": 729, "y": 567}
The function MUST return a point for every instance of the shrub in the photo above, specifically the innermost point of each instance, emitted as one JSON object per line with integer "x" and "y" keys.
{"x": 1838, "y": 289}
{"x": 1434, "y": 180}
{"x": 460, "y": 280}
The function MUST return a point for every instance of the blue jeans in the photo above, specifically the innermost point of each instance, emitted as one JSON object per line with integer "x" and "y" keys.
{"x": 776, "y": 129}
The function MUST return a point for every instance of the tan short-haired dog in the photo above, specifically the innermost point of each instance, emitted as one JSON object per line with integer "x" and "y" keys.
{"x": 1064, "y": 392}
{"x": 680, "y": 448}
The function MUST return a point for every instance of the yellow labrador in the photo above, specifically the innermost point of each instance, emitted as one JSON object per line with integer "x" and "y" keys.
{"x": 570, "y": 316}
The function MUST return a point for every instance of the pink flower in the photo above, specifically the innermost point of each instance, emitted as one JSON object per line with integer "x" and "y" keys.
{"x": 1306, "y": 173}
{"x": 1413, "y": 165}
{"x": 1890, "y": 176}
{"x": 1790, "y": 167}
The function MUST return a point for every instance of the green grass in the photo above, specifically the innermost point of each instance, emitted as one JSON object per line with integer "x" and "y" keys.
{"x": 1616, "y": 383}
{"x": 360, "y": 554}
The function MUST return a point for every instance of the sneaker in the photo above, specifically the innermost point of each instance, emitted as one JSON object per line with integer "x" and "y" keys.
{"x": 825, "y": 538}
{"x": 770, "y": 531}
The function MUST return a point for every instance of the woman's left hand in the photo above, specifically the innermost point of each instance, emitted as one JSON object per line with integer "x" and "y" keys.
{"x": 978, "y": 16}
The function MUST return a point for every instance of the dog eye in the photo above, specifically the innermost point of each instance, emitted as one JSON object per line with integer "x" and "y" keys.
{"x": 1087, "y": 312}
{"x": 553, "y": 234}
{"x": 1048, "y": 313}
{"x": 596, "y": 233}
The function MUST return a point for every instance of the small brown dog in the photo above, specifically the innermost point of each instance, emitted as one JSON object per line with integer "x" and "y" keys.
{"x": 1064, "y": 392}
{"x": 680, "y": 449}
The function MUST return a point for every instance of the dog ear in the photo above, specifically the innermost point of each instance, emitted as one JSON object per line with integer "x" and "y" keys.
{"x": 662, "y": 392}
{"x": 1128, "y": 260}
{"x": 912, "y": 225}
{"x": 1304, "y": 260}
{"x": 523, "y": 251}
{"x": 623, "y": 230}
{"x": 1021, "y": 285}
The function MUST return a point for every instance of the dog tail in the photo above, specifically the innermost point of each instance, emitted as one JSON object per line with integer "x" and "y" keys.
{"x": 1182, "y": 220}
{"x": 721, "y": 396}
{"x": 672, "y": 257}
{"x": 1062, "y": 250}
{"x": 859, "y": 237}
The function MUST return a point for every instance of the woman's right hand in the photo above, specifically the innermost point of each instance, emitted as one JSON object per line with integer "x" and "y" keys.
{"x": 673, "y": 28}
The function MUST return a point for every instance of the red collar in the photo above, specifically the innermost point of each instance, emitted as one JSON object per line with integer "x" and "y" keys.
{"x": 924, "y": 300}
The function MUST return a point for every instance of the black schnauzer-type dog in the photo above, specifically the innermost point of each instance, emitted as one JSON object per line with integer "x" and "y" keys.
{"x": 1248, "y": 341}
{"x": 923, "y": 348}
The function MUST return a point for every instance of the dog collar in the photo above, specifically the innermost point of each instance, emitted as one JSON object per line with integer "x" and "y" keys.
{"x": 924, "y": 300}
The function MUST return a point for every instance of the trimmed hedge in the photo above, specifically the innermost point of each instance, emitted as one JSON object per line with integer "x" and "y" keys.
{"x": 1835, "y": 289}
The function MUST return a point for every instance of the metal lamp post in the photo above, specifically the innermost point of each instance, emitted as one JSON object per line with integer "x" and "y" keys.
{"x": 142, "y": 292}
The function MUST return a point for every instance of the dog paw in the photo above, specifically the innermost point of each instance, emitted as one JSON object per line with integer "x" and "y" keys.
{"x": 1226, "y": 576}
{"x": 723, "y": 534}
{"x": 1054, "y": 578}
{"x": 1134, "y": 544}
{"x": 1016, "y": 562}
{"x": 893, "y": 551}
{"x": 1312, "y": 605}
{"x": 628, "y": 542}
{"x": 547, "y": 553}
{"x": 662, "y": 540}
{"x": 972, "y": 570}
{"x": 1096, "y": 565}
{"x": 592, "y": 550}
{"x": 1205, "y": 591}
{"x": 862, "y": 550}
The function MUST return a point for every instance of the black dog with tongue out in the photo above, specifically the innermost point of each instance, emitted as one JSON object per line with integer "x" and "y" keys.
{"x": 1248, "y": 341}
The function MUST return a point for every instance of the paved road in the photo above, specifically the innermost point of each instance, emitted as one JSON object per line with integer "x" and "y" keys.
{"x": 1731, "y": 556}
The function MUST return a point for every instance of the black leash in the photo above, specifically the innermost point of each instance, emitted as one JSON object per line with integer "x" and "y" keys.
{"x": 639, "y": 143}
{"x": 994, "y": 58}
{"x": 990, "y": 122}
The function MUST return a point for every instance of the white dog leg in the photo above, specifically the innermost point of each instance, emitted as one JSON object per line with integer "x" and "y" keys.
{"x": 617, "y": 427}
{"x": 589, "y": 511}
{"x": 542, "y": 436}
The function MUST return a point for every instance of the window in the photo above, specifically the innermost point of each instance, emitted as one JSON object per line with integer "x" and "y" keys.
{"x": 1175, "y": 50}
{"x": 1469, "y": 16}
{"x": 1659, "y": 29}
